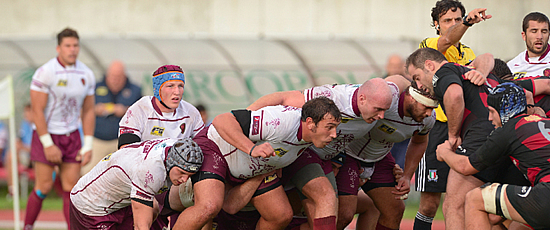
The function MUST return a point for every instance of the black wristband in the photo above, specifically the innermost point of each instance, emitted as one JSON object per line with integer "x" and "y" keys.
{"x": 250, "y": 153}
{"x": 530, "y": 105}
{"x": 466, "y": 22}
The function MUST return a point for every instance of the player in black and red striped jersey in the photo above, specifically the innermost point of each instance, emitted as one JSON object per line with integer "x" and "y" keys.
{"x": 523, "y": 138}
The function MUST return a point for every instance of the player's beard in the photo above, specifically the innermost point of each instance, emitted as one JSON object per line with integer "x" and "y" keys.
{"x": 531, "y": 48}
{"x": 411, "y": 110}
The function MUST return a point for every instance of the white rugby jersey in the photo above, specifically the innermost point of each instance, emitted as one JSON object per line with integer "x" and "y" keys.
{"x": 280, "y": 126}
{"x": 395, "y": 127}
{"x": 135, "y": 171}
{"x": 352, "y": 125}
{"x": 145, "y": 120}
{"x": 523, "y": 66}
{"x": 66, "y": 86}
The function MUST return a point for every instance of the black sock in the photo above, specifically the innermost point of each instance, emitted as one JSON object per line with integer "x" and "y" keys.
{"x": 422, "y": 222}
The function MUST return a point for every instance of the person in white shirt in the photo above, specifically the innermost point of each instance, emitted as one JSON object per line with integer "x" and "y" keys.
{"x": 244, "y": 143}
{"x": 62, "y": 93}
{"x": 534, "y": 61}
{"x": 118, "y": 193}
{"x": 165, "y": 114}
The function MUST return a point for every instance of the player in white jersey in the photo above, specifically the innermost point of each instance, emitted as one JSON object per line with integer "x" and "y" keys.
{"x": 280, "y": 133}
{"x": 410, "y": 116}
{"x": 535, "y": 60}
{"x": 118, "y": 193}
{"x": 162, "y": 115}
{"x": 361, "y": 106}
{"x": 62, "y": 92}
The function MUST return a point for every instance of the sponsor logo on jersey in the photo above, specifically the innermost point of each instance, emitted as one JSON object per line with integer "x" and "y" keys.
{"x": 435, "y": 78}
{"x": 525, "y": 190}
{"x": 532, "y": 118}
{"x": 255, "y": 125}
{"x": 270, "y": 178}
{"x": 432, "y": 175}
{"x": 143, "y": 195}
{"x": 163, "y": 189}
{"x": 280, "y": 152}
{"x": 62, "y": 82}
{"x": 386, "y": 129}
{"x": 182, "y": 128}
{"x": 108, "y": 157}
{"x": 157, "y": 131}
{"x": 345, "y": 120}
{"x": 518, "y": 75}
{"x": 123, "y": 131}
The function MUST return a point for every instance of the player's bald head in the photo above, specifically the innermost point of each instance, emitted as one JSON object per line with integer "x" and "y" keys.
{"x": 373, "y": 99}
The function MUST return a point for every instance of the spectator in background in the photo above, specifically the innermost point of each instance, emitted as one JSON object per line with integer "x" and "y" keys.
{"x": 204, "y": 114}
{"x": 62, "y": 94}
{"x": 113, "y": 96}
{"x": 396, "y": 65}
{"x": 23, "y": 146}
{"x": 451, "y": 22}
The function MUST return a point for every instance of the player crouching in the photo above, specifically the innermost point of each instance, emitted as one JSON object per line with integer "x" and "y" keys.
{"x": 118, "y": 193}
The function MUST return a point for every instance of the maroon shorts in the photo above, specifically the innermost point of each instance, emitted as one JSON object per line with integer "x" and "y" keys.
{"x": 382, "y": 175}
{"x": 347, "y": 179}
{"x": 68, "y": 144}
{"x": 307, "y": 157}
{"x": 120, "y": 219}
{"x": 214, "y": 163}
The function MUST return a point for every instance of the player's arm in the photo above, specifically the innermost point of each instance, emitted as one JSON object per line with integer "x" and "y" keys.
{"x": 455, "y": 33}
{"x": 453, "y": 100}
{"x": 459, "y": 163}
{"x": 39, "y": 100}
{"x": 415, "y": 151}
{"x": 400, "y": 81}
{"x": 483, "y": 65}
{"x": 234, "y": 128}
{"x": 88, "y": 126}
{"x": 143, "y": 213}
{"x": 291, "y": 98}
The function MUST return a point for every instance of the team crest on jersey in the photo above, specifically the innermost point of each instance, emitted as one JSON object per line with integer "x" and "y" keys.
{"x": 432, "y": 176}
{"x": 280, "y": 152}
{"x": 546, "y": 72}
{"x": 62, "y": 82}
{"x": 270, "y": 178}
{"x": 386, "y": 129}
{"x": 108, "y": 157}
{"x": 532, "y": 118}
{"x": 345, "y": 120}
{"x": 255, "y": 125}
{"x": 157, "y": 131}
{"x": 182, "y": 128}
{"x": 83, "y": 81}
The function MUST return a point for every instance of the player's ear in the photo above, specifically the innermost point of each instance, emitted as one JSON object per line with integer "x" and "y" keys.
{"x": 429, "y": 65}
{"x": 309, "y": 123}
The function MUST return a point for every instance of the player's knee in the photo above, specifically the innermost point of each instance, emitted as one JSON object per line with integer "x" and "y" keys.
{"x": 209, "y": 209}
{"x": 428, "y": 208}
{"x": 395, "y": 212}
{"x": 282, "y": 218}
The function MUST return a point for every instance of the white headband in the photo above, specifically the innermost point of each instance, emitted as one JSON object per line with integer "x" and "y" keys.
{"x": 423, "y": 99}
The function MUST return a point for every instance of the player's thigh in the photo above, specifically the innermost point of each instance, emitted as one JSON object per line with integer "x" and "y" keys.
{"x": 273, "y": 204}
{"x": 209, "y": 193}
{"x": 69, "y": 173}
{"x": 386, "y": 203}
{"x": 43, "y": 176}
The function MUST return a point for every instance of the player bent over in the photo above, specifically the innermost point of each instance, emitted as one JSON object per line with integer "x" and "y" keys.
{"x": 118, "y": 193}
{"x": 521, "y": 137}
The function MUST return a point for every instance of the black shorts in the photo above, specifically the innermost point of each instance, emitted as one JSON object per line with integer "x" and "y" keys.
{"x": 431, "y": 174}
{"x": 532, "y": 203}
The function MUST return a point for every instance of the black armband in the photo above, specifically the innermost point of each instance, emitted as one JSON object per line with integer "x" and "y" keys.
{"x": 243, "y": 117}
{"x": 127, "y": 138}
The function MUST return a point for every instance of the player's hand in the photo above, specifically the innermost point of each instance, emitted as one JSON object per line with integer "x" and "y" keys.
{"x": 84, "y": 158}
{"x": 475, "y": 77}
{"x": 53, "y": 154}
{"x": 263, "y": 150}
{"x": 402, "y": 188}
{"x": 478, "y": 15}
{"x": 455, "y": 142}
{"x": 536, "y": 110}
{"x": 397, "y": 172}
{"x": 443, "y": 148}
